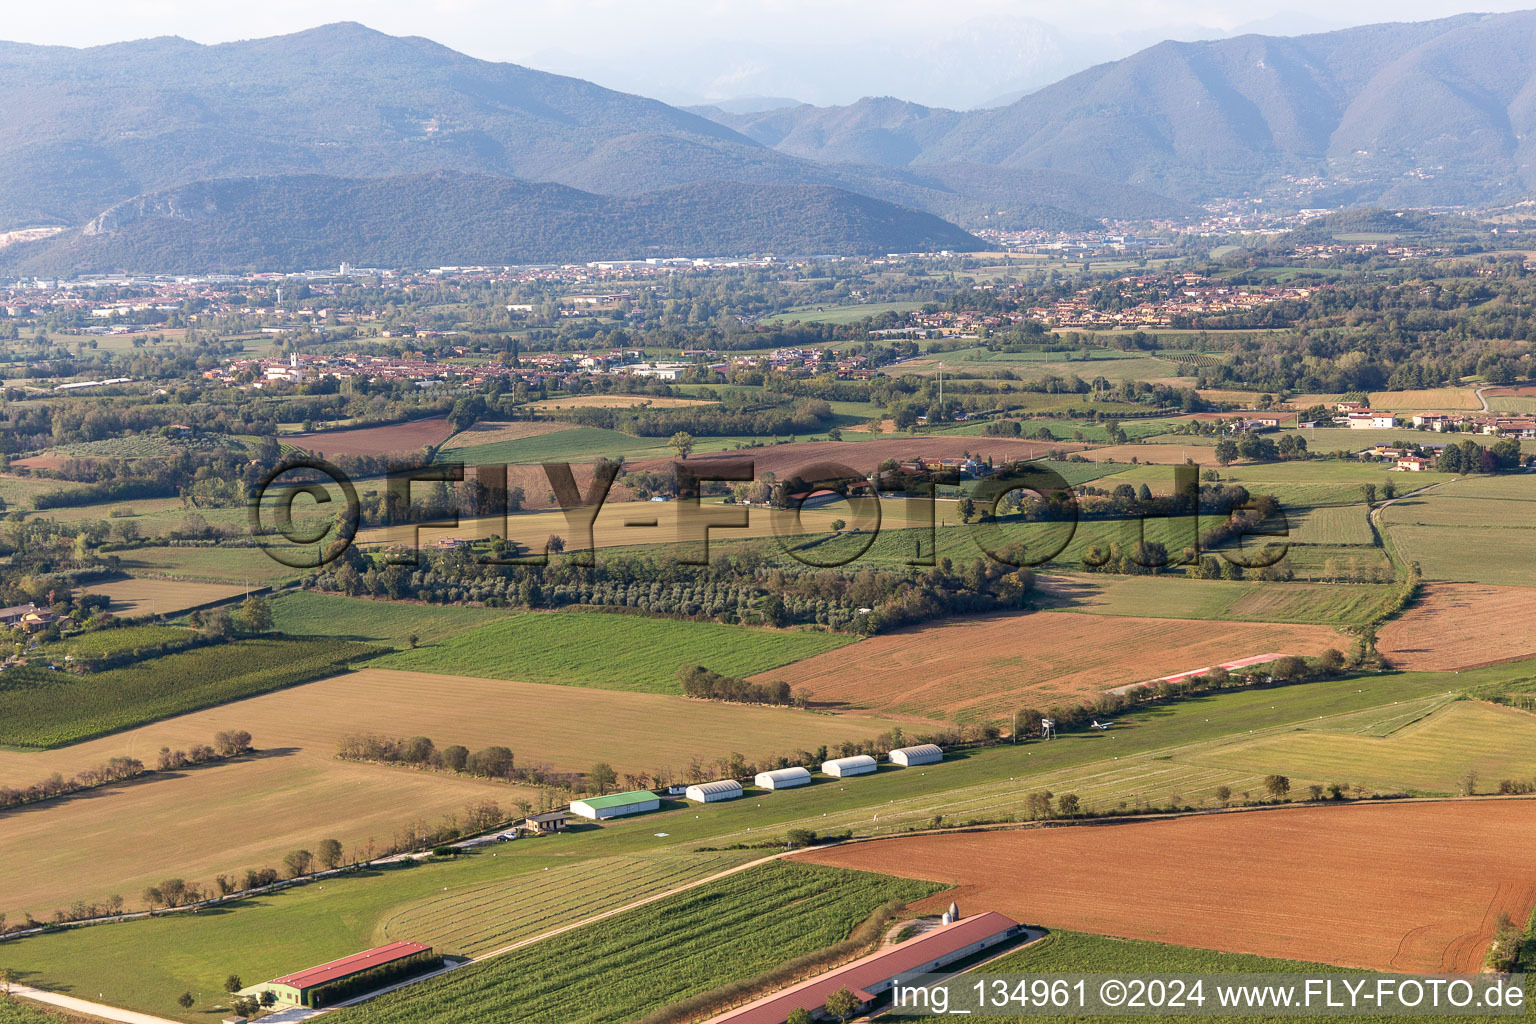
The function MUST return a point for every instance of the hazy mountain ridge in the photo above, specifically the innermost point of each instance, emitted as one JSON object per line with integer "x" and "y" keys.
{"x": 444, "y": 217}
{"x": 1426, "y": 112}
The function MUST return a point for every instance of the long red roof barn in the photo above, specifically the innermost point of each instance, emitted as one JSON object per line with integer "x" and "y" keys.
{"x": 353, "y": 964}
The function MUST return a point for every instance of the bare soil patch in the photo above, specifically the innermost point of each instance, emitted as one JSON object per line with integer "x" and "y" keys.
{"x": 396, "y": 437}
{"x": 1462, "y": 625}
{"x": 989, "y": 666}
{"x": 1404, "y": 887}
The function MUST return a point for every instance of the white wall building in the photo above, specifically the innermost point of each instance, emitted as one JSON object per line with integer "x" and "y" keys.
{"x": 709, "y": 792}
{"x": 783, "y": 778}
{"x": 843, "y": 767}
{"x": 923, "y": 753}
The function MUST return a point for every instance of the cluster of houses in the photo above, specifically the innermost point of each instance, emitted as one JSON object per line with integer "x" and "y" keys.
{"x": 26, "y": 616}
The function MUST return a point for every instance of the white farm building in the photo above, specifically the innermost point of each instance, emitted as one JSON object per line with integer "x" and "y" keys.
{"x": 709, "y": 792}
{"x": 783, "y": 778}
{"x": 923, "y": 753}
{"x": 616, "y": 805}
{"x": 843, "y": 767}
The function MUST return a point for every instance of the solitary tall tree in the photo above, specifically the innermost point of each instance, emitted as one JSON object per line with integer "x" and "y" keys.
{"x": 330, "y": 852}
{"x": 1277, "y": 785}
{"x": 602, "y": 777}
{"x": 682, "y": 443}
{"x": 232, "y": 984}
{"x": 842, "y": 1004}
{"x": 185, "y": 1000}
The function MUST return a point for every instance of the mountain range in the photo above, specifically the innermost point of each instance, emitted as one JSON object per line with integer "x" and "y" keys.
{"x": 1409, "y": 114}
{"x": 1418, "y": 113}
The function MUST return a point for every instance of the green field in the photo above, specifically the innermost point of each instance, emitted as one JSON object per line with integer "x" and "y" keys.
{"x": 383, "y": 623}
{"x": 624, "y": 967}
{"x": 39, "y": 708}
{"x": 473, "y": 919}
{"x": 1473, "y": 530}
{"x": 1244, "y": 601}
{"x": 609, "y": 651}
{"x": 1064, "y": 952}
{"x": 1330, "y": 524}
{"x": 227, "y": 564}
{"x": 578, "y": 444}
{"x": 1428, "y": 756}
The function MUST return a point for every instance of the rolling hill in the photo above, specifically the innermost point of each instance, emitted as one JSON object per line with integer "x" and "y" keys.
{"x": 447, "y": 217}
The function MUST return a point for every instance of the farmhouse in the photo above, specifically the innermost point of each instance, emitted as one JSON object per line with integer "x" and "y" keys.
{"x": 710, "y": 792}
{"x": 1368, "y": 420}
{"x": 923, "y": 753}
{"x": 616, "y": 805}
{"x": 843, "y": 767}
{"x": 877, "y": 973}
{"x": 783, "y": 778}
{"x": 360, "y": 972}
{"x": 548, "y": 821}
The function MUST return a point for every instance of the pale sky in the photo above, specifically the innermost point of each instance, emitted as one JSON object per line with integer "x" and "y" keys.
{"x": 697, "y": 50}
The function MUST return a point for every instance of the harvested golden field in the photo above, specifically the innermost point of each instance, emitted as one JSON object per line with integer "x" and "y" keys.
{"x": 131, "y": 598}
{"x": 987, "y": 667}
{"x": 396, "y": 437}
{"x": 620, "y": 402}
{"x": 1426, "y": 398}
{"x": 1462, "y": 625}
{"x": 250, "y": 813}
{"x": 1404, "y": 887}
{"x": 489, "y": 432}
{"x": 1158, "y": 454}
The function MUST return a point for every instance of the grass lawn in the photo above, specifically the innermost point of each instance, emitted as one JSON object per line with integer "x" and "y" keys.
{"x": 608, "y": 651}
{"x": 383, "y": 623}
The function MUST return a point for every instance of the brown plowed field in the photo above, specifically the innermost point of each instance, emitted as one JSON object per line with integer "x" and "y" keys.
{"x": 1461, "y": 625}
{"x": 397, "y": 437}
{"x": 989, "y": 666}
{"x": 1404, "y": 887}
{"x": 783, "y": 460}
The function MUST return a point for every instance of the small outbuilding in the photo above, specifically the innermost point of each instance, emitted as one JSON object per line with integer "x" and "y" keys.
{"x": 843, "y": 767}
{"x": 923, "y": 753}
{"x": 710, "y": 792}
{"x": 616, "y": 805}
{"x": 783, "y": 778}
{"x": 546, "y": 821}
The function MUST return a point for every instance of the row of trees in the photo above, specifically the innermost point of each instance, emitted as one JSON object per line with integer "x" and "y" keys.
{"x": 492, "y": 762}
{"x": 119, "y": 769}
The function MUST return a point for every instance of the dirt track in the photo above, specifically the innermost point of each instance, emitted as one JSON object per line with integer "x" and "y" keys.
{"x": 1403, "y": 887}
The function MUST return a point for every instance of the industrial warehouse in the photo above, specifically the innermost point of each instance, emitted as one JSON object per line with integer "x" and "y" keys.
{"x": 874, "y": 975}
